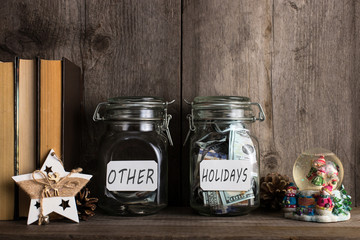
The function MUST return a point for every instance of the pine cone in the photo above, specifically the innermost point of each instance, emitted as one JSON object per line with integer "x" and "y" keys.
{"x": 85, "y": 206}
{"x": 272, "y": 190}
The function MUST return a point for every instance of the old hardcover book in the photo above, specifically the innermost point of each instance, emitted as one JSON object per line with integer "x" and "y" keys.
{"x": 7, "y": 140}
{"x": 49, "y": 107}
{"x": 60, "y": 91}
{"x": 26, "y": 127}
{"x": 72, "y": 96}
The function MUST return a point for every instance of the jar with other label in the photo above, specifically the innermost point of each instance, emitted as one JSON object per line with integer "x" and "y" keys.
{"x": 132, "y": 176}
{"x": 224, "y": 156}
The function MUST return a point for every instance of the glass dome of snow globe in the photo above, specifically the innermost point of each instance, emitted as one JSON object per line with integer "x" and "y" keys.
{"x": 316, "y": 168}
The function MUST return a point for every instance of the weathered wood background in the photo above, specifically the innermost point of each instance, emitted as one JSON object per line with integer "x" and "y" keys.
{"x": 299, "y": 59}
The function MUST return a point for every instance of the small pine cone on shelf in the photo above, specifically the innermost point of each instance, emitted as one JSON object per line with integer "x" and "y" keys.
{"x": 272, "y": 190}
{"x": 85, "y": 205}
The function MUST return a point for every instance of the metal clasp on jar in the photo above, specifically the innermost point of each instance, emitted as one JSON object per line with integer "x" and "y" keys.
{"x": 190, "y": 118}
{"x": 166, "y": 122}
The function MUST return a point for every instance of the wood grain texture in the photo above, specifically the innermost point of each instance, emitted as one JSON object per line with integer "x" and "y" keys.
{"x": 314, "y": 72}
{"x": 123, "y": 47}
{"x": 227, "y": 51}
{"x": 48, "y": 29}
{"x": 132, "y": 48}
{"x": 180, "y": 223}
{"x": 299, "y": 59}
{"x": 40, "y": 28}
{"x": 355, "y": 102}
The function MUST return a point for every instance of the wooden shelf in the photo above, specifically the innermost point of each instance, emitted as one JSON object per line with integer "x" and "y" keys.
{"x": 181, "y": 223}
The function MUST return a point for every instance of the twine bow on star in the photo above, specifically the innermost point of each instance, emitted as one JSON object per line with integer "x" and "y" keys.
{"x": 53, "y": 184}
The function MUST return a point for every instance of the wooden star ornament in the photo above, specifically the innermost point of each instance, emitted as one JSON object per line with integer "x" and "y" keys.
{"x": 52, "y": 189}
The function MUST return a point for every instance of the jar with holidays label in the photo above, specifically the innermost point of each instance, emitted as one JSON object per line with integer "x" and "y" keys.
{"x": 224, "y": 156}
{"x": 132, "y": 176}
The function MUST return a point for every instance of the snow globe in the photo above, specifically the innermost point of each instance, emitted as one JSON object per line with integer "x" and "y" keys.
{"x": 319, "y": 196}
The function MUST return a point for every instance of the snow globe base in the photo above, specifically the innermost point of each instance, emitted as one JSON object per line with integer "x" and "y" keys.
{"x": 319, "y": 195}
{"x": 325, "y": 219}
{"x": 311, "y": 213}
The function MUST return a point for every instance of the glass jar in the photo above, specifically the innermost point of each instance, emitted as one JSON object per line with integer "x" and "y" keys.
{"x": 224, "y": 156}
{"x": 132, "y": 176}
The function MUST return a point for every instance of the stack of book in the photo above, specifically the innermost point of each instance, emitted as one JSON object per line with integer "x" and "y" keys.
{"x": 40, "y": 109}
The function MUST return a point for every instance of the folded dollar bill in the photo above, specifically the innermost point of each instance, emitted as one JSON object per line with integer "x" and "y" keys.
{"x": 230, "y": 198}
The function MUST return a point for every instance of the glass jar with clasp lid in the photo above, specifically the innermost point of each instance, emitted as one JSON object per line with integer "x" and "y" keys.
{"x": 132, "y": 176}
{"x": 224, "y": 156}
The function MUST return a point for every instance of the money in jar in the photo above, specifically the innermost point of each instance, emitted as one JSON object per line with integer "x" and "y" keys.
{"x": 224, "y": 155}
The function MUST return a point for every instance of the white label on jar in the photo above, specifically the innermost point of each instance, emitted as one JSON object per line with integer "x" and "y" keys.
{"x": 131, "y": 175}
{"x": 225, "y": 175}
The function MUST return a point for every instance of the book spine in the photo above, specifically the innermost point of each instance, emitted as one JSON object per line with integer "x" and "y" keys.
{"x": 72, "y": 95}
{"x": 16, "y": 114}
{"x": 63, "y": 99}
{"x": 16, "y": 135}
{"x": 37, "y": 60}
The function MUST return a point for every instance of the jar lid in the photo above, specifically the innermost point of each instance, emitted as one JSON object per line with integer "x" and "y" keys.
{"x": 137, "y": 102}
{"x": 142, "y": 108}
{"x": 132, "y": 108}
{"x": 220, "y": 101}
{"x": 225, "y": 108}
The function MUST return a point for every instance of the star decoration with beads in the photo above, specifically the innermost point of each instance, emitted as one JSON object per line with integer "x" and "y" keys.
{"x": 52, "y": 189}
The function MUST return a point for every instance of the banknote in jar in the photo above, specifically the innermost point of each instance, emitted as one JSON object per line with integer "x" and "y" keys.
{"x": 241, "y": 148}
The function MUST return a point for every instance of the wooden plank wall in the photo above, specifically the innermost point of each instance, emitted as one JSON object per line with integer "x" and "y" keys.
{"x": 227, "y": 51}
{"x": 132, "y": 48}
{"x": 315, "y": 73}
{"x": 299, "y": 59}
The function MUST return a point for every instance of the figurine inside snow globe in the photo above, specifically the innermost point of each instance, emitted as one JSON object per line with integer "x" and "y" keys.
{"x": 320, "y": 196}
